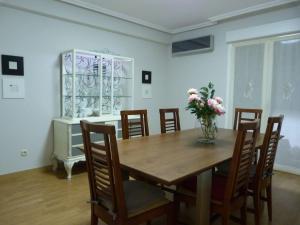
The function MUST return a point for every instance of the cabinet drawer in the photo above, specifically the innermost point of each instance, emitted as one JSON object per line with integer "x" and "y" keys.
{"x": 119, "y": 134}
{"x": 76, "y": 129}
{"x": 77, "y": 152}
{"x": 76, "y": 140}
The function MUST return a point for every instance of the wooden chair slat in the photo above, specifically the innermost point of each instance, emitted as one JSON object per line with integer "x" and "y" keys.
{"x": 239, "y": 116}
{"x": 134, "y": 128}
{"x": 169, "y": 124}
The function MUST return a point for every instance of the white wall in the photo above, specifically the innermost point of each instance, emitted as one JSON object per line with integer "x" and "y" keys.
{"x": 26, "y": 123}
{"x": 197, "y": 70}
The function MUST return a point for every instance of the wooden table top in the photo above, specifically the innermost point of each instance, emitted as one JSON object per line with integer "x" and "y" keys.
{"x": 173, "y": 157}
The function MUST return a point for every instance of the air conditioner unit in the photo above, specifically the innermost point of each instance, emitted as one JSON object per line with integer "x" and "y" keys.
{"x": 195, "y": 45}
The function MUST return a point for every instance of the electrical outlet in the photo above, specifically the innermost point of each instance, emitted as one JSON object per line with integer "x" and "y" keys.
{"x": 24, "y": 152}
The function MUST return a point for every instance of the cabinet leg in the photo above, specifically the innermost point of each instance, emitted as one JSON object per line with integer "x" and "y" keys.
{"x": 68, "y": 168}
{"x": 54, "y": 164}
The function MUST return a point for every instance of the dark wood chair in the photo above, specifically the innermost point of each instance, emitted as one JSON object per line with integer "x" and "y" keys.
{"x": 137, "y": 127}
{"x": 261, "y": 176}
{"x": 168, "y": 124}
{"x": 113, "y": 200}
{"x": 229, "y": 193}
{"x": 243, "y": 115}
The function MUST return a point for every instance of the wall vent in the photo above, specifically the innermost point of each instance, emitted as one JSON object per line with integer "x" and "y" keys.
{"x": 195, "y": 45}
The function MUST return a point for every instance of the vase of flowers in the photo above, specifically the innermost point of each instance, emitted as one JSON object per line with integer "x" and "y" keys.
{"x": 206, "y": 107}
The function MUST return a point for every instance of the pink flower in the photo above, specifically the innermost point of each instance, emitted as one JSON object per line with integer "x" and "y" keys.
{"x": 219, "y": 109}
{"x": 192, "y": 91}
{"x": 219, "y": 100}
{"x": 194, "y": 97}
{"x": 212, "y": 103}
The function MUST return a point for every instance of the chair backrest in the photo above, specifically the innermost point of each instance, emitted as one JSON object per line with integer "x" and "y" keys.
{"x": 238, "y": 177}
{"x": 137, "y": 127}
{"x": 104, "y": 173}
{"x": 269, "y": 147}
{"x": 244, "y": 115}
{"x": 169, "y": 124}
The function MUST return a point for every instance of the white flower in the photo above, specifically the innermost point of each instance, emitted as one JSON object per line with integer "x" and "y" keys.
{"x": 219, "y": 100}
{"x": 219, "y": 109}
{"x": 192, "y": 91}
{"x": 194, "y": 97}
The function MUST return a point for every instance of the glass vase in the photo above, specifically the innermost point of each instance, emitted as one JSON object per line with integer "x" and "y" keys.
{"x": 209, "y": 129}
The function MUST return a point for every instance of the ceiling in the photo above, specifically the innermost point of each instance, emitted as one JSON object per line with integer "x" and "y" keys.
{"x": 174, "y": 16}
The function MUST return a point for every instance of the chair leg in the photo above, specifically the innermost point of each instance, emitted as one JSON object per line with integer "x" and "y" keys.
{"x": 94, "y": 219}
{"x": 225, "y": 219}
{"x": 171, "y": 218}
{"x": 176, "y": 205}
{"x": 244, "y": 214}
{"x": 269, "y": 201}
{"x": 256, "y": 201}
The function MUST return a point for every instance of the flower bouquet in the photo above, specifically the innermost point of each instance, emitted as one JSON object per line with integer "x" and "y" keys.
{"x": 206, "y": 107}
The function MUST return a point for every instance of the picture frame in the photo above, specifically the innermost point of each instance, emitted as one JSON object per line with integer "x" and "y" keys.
{"x": 146, "y": 77}
{"x": 12, "y": 65}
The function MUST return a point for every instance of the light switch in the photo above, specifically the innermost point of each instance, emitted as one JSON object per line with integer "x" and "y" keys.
{"x": 147, "y": 91}
{"x": 13, "y": 87}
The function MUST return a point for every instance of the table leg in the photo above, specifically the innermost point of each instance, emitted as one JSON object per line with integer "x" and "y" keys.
{"x": 203, "y": 198}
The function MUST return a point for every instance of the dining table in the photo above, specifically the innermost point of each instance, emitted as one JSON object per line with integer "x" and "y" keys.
{"x": 171, "y": 158}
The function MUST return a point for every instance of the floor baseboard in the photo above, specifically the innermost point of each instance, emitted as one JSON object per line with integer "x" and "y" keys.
{"x": 288, "y": 169}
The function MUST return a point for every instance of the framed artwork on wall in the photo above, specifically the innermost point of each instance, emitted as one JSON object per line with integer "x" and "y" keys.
{"x": 12, "y": 65}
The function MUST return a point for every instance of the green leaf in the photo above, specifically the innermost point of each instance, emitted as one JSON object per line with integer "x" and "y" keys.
{"x": 204, "y": 94}
{"x": 204, "y": 88}
{"x": 212, "y": 93}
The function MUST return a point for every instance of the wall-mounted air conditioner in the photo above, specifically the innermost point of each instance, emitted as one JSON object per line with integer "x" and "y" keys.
{"x": 195, "y": 45}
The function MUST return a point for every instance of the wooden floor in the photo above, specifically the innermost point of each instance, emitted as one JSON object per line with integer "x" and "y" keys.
{"x": 41, "y": 197}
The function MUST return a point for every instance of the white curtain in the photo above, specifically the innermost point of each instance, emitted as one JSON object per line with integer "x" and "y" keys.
{"x": 277, "y": 61}
{"x": 248, "y": 75}
{"x": 286, "y": 99}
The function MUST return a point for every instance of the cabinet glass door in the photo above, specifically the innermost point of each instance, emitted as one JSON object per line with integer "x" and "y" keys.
{"x": 67, "y": 84}
{"x": 122, "y": 84}
{"x": 87, "y": 85}
{"x": 106, "y": 85}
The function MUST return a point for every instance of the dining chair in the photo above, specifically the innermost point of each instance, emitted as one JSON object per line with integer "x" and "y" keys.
{"x": 135, "y": 127}
{"x": 229, "y": 193}
{"x": 261, "y": 176}
{"x": 241, "y": 115}
{"x": 168, "y": 124}
{"x": 246, "y": 114}
{"x": 114, "y": 201}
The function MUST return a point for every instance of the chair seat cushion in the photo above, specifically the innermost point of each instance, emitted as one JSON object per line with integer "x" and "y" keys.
{"x": 140, "y": 197}
{"x": 218, "y": 187}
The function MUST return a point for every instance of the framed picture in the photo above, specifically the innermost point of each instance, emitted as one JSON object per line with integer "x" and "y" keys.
{"x": 12, "y": 65}
{"x": 146, "y": 77}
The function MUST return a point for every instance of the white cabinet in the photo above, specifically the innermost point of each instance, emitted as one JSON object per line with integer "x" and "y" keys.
{"x": 68, "y": 140}
{"x": 94, "y": 87}
{"x": 95, "y": 84}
